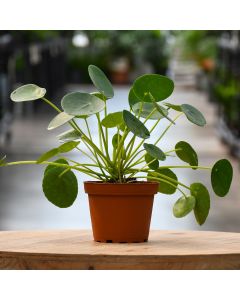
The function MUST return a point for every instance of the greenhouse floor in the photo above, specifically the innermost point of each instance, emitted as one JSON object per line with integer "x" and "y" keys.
{"x": 23, "y": 205}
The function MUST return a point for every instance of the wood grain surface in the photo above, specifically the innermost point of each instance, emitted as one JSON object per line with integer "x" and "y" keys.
{"x": 75, "y": 249}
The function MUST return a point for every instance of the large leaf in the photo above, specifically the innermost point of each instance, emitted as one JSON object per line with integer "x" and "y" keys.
{"x": 145, "y": 108}
{"x": 135, "y": 126}
{"x": 193, "y": 115}
{"x": 81, "y": 104}
{"x": 47, "y": 155}
{"x": 152, "y": 162}
{"x": 68, "y": 146}
{"x": 59, "y": 161}
{"x": 59, "y": 120}
{"x": 132, "y": 98}
{"x": 60, "y": 188}
{"x": 221, "y": 177}
{"x": 100, "y": 81}
{"x": 3, "y": 161}
{"x": 186, "y": 153}
{"x": 161, "y": 87}
{"x": 27, "y": 92}
{"x": 164, "y": 187}
{"x": 173, "y": 106}
{"x": 183, "y": 206}
{"x": 154, "y": 151}
{"x": 70, "y": 135}
{"x": 202, "y": 206}
{"x": 113, "y": 120}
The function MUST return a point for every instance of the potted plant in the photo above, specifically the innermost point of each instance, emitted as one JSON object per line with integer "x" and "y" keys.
{"x": 125, "y": 181}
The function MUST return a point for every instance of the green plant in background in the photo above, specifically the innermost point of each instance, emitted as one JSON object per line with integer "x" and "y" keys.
{"x": 132, "y": 157}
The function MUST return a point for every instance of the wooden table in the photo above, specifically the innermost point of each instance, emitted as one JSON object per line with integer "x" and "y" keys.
{"x": 74, "y": 249}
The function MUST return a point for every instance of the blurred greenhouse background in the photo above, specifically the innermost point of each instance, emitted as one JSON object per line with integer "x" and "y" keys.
{"x": 205, "y": 66}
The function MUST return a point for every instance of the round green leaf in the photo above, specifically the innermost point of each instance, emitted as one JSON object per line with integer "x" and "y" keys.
{"x": 154, "y": 151}
{"x": 59, "y": 120}
{"x": 27, "y": 92}
{"x": 202, "y": 206}
{"x": 100, "y": 81}
{"x": 60, "y": 189}
{"x": 116, "y": 139}
{"x": 68, "y": 146}
{"x": 81, "y": 104}
{"x": 164, "y": 187}
{"x": 161, "y": 87}
{"x": 146, "y": 108}
{"x": 183, "y": 206}
{"x": 135, "y": 126}
{"x": 132, "y": 98}
{"x": 70, "y": 135}
{"x": 47, "y": 155}
{"x": 193, "y": 114}
{"x": 113, "y": 120}
{"x": 221, "y": 177}
{"x": 186, "y": 153}
{"x": 173, "y": 106}
{"x": 59, "y": 161}
{"x": 152, "y": 162}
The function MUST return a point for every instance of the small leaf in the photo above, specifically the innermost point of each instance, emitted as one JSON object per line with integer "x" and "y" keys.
{"x": 116, "y": 139}
{"x": 152, "y": 162}
{"x": 132, "y": 98}
{"x": 27, "y": 92}
{"x": 70, "y": 135}
{"x": 59, "y": 161}
{"x": 161, "y": 109}
{"x": 113, "y": 120}
{"x": 3, "y": 161}
{"x": 161, "y": 87}
{"x": 100, "y": 81}
{"x": 202, "y": 206}
{"x": 221, "y": 177}
{"x": 59, "y": 120}
{"x": 47, "y": 155}
{"x": 135, "y": 126}
{"x": 68, "y": 146}
{"x": 164, "y": 187}
{"x": 146, "y": 108}
{"x": 154, "y": 151}
{"x": 81, "y": 104}
{"x": 193, "y": 115}
{"x": 173, "y": 106}
{"x": 186, "y": 153}
{"x": 60, "y": 190}
{"x": 183, "y": 206}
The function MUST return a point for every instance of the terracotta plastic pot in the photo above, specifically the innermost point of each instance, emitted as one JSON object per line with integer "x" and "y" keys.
{"x": 121, "y": 212}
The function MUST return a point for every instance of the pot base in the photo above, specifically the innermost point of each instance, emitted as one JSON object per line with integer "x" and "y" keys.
{"x": 121, "y": 242}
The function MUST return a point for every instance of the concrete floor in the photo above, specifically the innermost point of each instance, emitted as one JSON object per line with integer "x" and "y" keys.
{"x": 22, "y": 203}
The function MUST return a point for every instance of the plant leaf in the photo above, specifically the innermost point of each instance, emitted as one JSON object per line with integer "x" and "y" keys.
{"x": 60, "y": 161}
{"x": 113, "y": 120}
{"x": 135, "y": 126}
{"x": 221, "y": 177}
{"x": 193, "y": 115}
{"x": 152, "y": 162}
{"x": 186, "y": 153}
{"x": 183, "y": 206}
{"x": 154, "y": 151}
{"x": 70, "y": 135}
{"x": 132, "y": 98}
{"x": 81, "y": 104}
{"x": 3, "y": 161}
{"x": 100, "y": 81}
{"x": 164, "y": 187}
{"x": 161, "y": 87}
{"x": 173, "y": 106}
{"x": 59, "y": 120}
{"x": 68, "y": 146}
{"x": 160, "y": 109}
{"x": 146, "y": 108}
{"x": 115, "y": 140}
{"x": 60, "y": 190}
{"x": 47, "y": 155}
{"x": 27, "y": 92}
{"x": 202, "y": 206}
